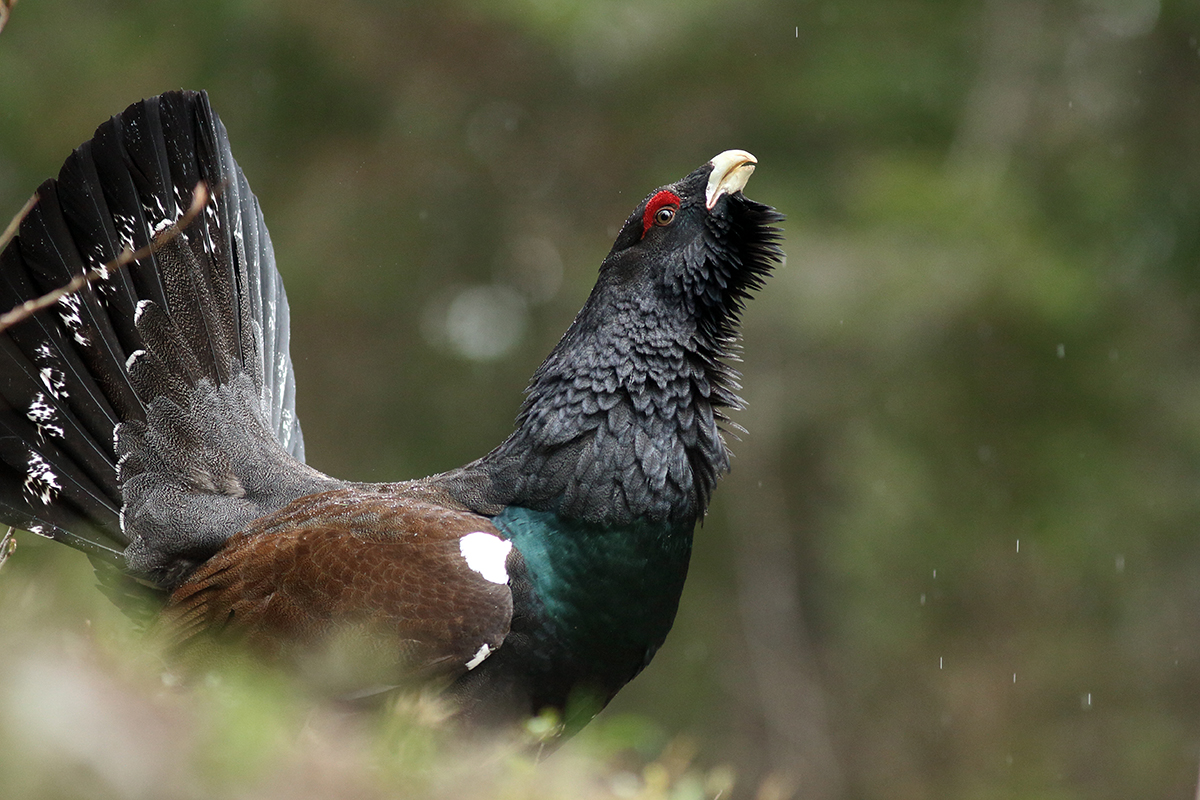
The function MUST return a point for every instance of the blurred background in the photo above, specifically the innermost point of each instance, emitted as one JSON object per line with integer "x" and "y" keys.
{"x": 958, "y": 555}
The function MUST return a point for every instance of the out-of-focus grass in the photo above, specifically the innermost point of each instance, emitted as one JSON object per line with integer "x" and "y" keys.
{"x": 89, "y": 710}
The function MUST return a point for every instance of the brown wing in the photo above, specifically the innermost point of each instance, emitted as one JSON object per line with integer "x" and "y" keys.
{"x": 364, "y": 586}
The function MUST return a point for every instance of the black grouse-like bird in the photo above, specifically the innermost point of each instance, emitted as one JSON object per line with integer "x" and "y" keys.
{"x": 149, "y": 421}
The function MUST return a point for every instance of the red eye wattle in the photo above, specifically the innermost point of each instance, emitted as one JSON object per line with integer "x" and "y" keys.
{"x": 660, "y": 210}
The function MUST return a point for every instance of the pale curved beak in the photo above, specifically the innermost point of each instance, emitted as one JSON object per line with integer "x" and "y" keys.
{"x": 730, "y": 172}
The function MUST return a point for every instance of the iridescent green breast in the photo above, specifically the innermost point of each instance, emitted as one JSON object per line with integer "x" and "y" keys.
{"x": 609, "y": 594}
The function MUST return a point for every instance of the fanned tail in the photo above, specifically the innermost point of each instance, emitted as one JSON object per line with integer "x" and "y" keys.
{"x": 155, "y": 407}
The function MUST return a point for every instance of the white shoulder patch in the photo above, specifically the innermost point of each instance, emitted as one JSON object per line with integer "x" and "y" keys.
{"x": 486, "y": 553}
{"x": 485, "y": 650}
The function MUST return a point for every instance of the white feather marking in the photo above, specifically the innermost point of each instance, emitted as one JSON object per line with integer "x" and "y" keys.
{"x": 54, "y": 382}
{"x": 486, "y": 553}
{"x": 41, "y": 483}
{"x": 97, "y": 260}
{"x": 485, "y": 650}
{"x": 39, "y": 409}
{"x": 42, "y": 414}
{"x": 72, "y": 317}
{"x": 134, "y": 356}
{"x": 210, "y": 246}
{"x": 125, "y": 226}
{"x": 139, "y": 310}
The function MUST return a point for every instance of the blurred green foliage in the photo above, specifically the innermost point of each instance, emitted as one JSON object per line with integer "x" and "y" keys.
{"x": 958, "y": 555}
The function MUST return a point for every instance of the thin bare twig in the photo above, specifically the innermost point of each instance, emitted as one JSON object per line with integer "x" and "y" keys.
{"x": 7, "y": 546}
{"x": 11, "y": 230}
{"x": 5, "y": 10}
{"x": 30, "y": 307}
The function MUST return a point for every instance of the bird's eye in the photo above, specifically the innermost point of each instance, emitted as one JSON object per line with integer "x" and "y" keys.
{"x": 660, "y": 210}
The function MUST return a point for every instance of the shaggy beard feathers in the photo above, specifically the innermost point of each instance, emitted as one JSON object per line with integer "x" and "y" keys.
{"x": 751, "y": 252}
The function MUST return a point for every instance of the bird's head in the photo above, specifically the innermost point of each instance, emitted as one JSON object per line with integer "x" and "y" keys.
{"x": 698, "y": 246}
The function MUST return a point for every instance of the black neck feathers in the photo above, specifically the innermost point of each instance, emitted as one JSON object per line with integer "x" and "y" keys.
{"x": 621, "y": 421}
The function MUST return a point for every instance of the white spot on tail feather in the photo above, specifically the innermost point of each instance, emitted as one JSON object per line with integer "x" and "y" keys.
{"x": 139, "y": 310}
{"x": 72, "y": 316}
{"x": 41, "y": 482}
{"x": 71, "y": 304}
{"x": 210, "y": 213}
{"x": 486, "y": 553}
{"x": 161, "y": 226}
{"x": 210, "y": 246}
{"x": 484, "y": 651}
{"x": 54, "y": 382}
{"x": 126, "y": 226}
{"x": 40, "y": 409}
{"x": 42, "y": 414}
{"x": 97, "y": 260}
{"x": 166, "y": 218}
